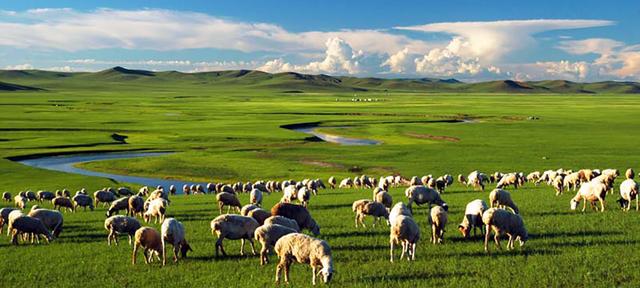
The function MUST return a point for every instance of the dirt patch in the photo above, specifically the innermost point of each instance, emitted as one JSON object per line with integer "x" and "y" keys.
{"x": 321, "y": 164}
{"x": 434, "y": 137}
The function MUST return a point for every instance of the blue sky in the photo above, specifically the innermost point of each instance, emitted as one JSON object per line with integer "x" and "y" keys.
{"x": 468, "y": 40}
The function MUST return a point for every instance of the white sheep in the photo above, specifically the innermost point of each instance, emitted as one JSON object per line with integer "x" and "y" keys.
{"x": 504, "y": 222}
{"x": 157, "y": 209}
{"x": 304, "y": 195}
{"x": 628, "y": 191}
{"x": 244, "y": 211}
{"x": 592, "y": 191}
{"x": 27, "y": 225}
{"x": 268, "y": 235}
{"x": 173, "y": 232}
{"x": 473, "y": 218}
{"x": 289, "y": 194}
{"x": 421, "y": 195}
{"x": 501, "y": 198}
{"x": 229, "y": 200}
{"x": 234, "y": 227}
{"x": 306, "y": 250}
{"x": 385, "y": 198}
{"x": 438, "y": 219}
{"x": 120, "y": 224}
{"x": 255, "y": 197}
{"x": 284, "y": 221}
{"x": 20, "y": 201}
{"x": 406, "y": 232}
{"x": 397, "y": 210}
{"x": 375, "y": 209}
{"x": 346, "y": 183}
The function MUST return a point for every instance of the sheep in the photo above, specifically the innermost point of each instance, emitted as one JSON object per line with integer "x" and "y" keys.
{"x": 84, "y": 201}
{"x": 415, "y": 181}
{"x": 173, "y": 232}
{"x": 476, "y": 179}
{"x": 299, "y": 214}
{"x": 4, "y": 216}
{"x": 62, "y": 202}
{"x": 591, "y": 191}
{"x": 185, "y": 189}
{"x": 571, "y": 181}
{"x": 104, "y": 197}
{"x": 247, "y": 208}
{"x": 13, "y": 214}
{"x": 608, "y": 177}
{"x": 284, "y": 221}
{"x": 259, "y": 214}
{"x": 158, "y": 194}
{"x": 229, "y": 200}
{"x": 304, "y": 249}
{"x": 346, "y": 183}
{"x": 157, "y": 208}
{"x": 268, "y": 235}
{"x": 438, "y": 219}
{"x": 51, "y": 219}
{"x": 533, "y": 177}
{"x": 20, "y": 201}
{"x": 149, "y": 239}
{"x": 462, "y": 180}
{"x": 397, "y": 210}
{"x": 501, "y": 198}
{"x": 358, "y": 205}
{"x": 45, "y": 195}
{"x": 385, "y": 198}
{"x": 628, "y": 191}
{"x": 503, "y": 222}
{"x": 289, "y": 194}
{"x": 120, "y": 224}
{"x": 228, "y": 189}
{"x": 405, "y": 231}
{"x": 586, "y": 175}
{"x": 374, "y": 209}
{"x": 124, "y": 191}
{"x": 332, "y": 182}
{"x": 135, "y": 206}
{"x": 256, "y": 197}
{"x": 120, "y": 204}
{"x": 24, "y": 224}
{"x": 30, "y": 195}
{"x": 448, "y": 179}
{"x": 421, "y": 195}
{"x": 234, "y": 227}
{"x": 473, "y": 218}
{"x": 558, "y": 184}
{"x": 304, "y": 195}
{"x": 6, "y": 196}
{"x": 508, "y": 179}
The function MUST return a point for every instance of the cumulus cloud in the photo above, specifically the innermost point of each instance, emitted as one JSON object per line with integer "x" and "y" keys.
{"x": 25, "y": 66}
{"x": 400, "y": 62}
{"x": 592, "y": 45}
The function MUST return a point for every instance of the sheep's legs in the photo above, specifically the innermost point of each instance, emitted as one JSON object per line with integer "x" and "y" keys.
{"x": 496, "y": 238}
{"x": 313, "y": 277}
{"x": 264, "y": 258}
{"x": 219, "y": 246}
{"x": 133, "y": 256}
{"x": 413, "y": 251}
{"x": 584, "y": 204}
{"x": 486, "y": 238}
{"x": 391, "y": 251}
{"x": 629, "y": 204}
{"x": 253, "y": 247}
{"x": 242, "y": 247}
{"x": 602, "y": 205}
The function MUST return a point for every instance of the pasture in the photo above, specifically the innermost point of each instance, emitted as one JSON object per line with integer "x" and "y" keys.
{"x": 229, "y": 133}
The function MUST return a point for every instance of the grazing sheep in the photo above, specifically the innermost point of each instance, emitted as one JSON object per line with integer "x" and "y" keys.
{"x": 305, "y": 250}
{"x": 157, "y": 208}
{"x": 299, "y": 214}
{"x": 247, "y": 208}
{"x": 45, "y": 195}
{"x": 415, "y": 181}
{"x": 135, "y": 206}
{"x": 346, "y": 183}
{"x": 4, "y": 216}
{"x": 268, "y": 235}
{"x": 229, "y": 200}
{"x": 385, "y": 198}
{"x": 357, "y": 205}
{"x": 51, "y": 219}
{"x": 503, "y": 222}
{"x": 62, "y": 202}
{"x": 28, "y": 225}
{"x": 117, "y": 205}
{"x": 6, "y": 196}
{"x": 448, "y": 179}
{"x": 173, "y": 232}
{"x": 421, "y": 195}
{"x": 120, "y": 224}
{"x": 304, "y": 195}
{"x": 508, "y": 179}
{"x": 20, "y": 201}
{"x": 186, "y": 190}
{"x": 397, "y": 210}
{"x": 473, "y": 218}
{"x": 586, "y": 175}
{"x": 374, "y": 209}
{"x": 228, "y": 189}
{"x": 259, "y": 214}
{"x": 31, "y": 196}
{"x": 234, "y": 227}
{"x": 289, "y": 194}
{"x": 211, "y": 187}
{"x": 84, "y": 201}
{"x": 462, "y": 180}
{"x": 628, "y": 191}
{"x": 592, "y": 191}
{"x": 13, "y": 214}
{"x": 558, "y": 184}
{"x": 406, "y": 232}
{"x": 284, "y": 221}
{"x": 124, "y": 191}
{"x": 438, "y": 219}
{"x": 501, "y": 198}
{"x": 571, "y": 181}
{"x": 476, "y": 179}
{"x": 533, "y": 177}
{"x": 629, "y": 174}
{"x": 255, "y": 197}
{"x": 149, "y": 239}
{"x": 104, "y": 197}
{"x": 332, "y": 182}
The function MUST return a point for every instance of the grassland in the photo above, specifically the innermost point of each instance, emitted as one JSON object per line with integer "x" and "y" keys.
{"x": 226, "y": 131}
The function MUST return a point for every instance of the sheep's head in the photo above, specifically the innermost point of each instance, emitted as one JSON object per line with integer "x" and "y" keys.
{"x": 315, "y": 229}
{"x": 445, "y": 206}
{"x": 464, "y": 230}
{"x": 327, "y": 274}
{"x": 622, "y": 202}
{"x": 574, "y": 204}
{"x": 184, "y": 248}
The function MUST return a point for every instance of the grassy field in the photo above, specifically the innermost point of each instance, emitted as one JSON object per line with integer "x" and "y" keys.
{"x": 229, "y": 132}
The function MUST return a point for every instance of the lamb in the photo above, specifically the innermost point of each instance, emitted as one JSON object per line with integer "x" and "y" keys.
{"x": 268, "y": 235}
{"x": 629, "y": 174}
{"x": 533, "y": 177}
{"x": 247, "y": 208}
{"x": 628, "y": 191}
{"x": 358, "y": 204}
{"x": 299, "y": 214}
{"x": 398, "y": 210}
{"x": 234, "y": 227}
{"x": 259, "y": 214}
{"x": 45, "y": 195}
{"x": 289, "y": 194}
{"x": 173, "y": 232}
{"x": 4, "y": 216}
{"x": 405, "y": 231}
{"x": 558, "y": 184}
{"x": 304, "y": 195}
{"x": 332, "y": 182}
{"x": 51, "y": 219}
{"x": 28, "y": 225}
{"x": 306, "y": 250}
{"x": 591, "y": 191}
{"x": 62, "y": 202}
{"x": 284, "y": 221}
{"x": 385, "y": 198}
{"x": 415, "y": 181}
{"x": 135, "y": 206}
{"x": 20, "y": 201}
{"x": 346, "y": 183}
{"x": 473, "y": 218}
{"x": 421, "y": 195}
{"x": 157, "y": 209}
{"x": 84, "y": 201}
{"x": 374, "y": 209}
{"x": 229, "y": 200}
{"x": 104, "y": 197}
{"x": 504, "y": 222}
{"x": 120, "y": 204}
{"x": 438, "y": 219}
{"x": 501, "y": 198}
{"x": 149, "y": 239}
{"x": 120, "y": 224}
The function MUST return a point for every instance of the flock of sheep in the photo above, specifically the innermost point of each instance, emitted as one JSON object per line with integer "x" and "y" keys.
{"x": 279, "y": 229}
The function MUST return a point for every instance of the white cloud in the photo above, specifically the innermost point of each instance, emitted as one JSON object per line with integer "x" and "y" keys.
{"x": 25, "y": 66}
{"x": 592, "y": 45}
{"x": 400, "y": 62}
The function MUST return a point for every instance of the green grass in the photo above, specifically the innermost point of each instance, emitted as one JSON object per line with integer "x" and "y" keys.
{"x": 224, "y": 131}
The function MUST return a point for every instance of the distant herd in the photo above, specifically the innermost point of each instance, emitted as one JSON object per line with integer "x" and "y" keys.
{"x": 279, "y": 229}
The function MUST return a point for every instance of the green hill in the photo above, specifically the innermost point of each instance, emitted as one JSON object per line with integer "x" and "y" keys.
{"x": 15, "y": 87}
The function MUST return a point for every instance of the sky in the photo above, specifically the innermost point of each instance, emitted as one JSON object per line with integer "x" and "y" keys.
{"x": 583, "y": 41}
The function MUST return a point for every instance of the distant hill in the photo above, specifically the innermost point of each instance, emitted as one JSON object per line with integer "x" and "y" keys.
{"x": 297, "y": 83}
{"x": 15, "y": 87}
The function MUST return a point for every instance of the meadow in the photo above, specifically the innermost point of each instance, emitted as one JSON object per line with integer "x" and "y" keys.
{"x": 230, "y": 132}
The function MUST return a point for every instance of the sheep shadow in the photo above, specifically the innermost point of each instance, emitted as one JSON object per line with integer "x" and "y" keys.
{"x": 563, "y": 234}
{"x": 414, "y": 276}
{"x": 583, "y": 243}
{"x": 359, "y": 248}
{"x": 512, "y": 253}
{"x": 365, "y": 233}
{"x": 83, "y": 238}
{"x": 229, "y": 257}
{"x": 549, "y": 213}
{"x": 331, "y": 206}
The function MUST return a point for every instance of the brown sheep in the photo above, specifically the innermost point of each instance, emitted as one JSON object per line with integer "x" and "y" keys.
{"x": 149, "y": 239}
{"x": 298, "y": 213}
